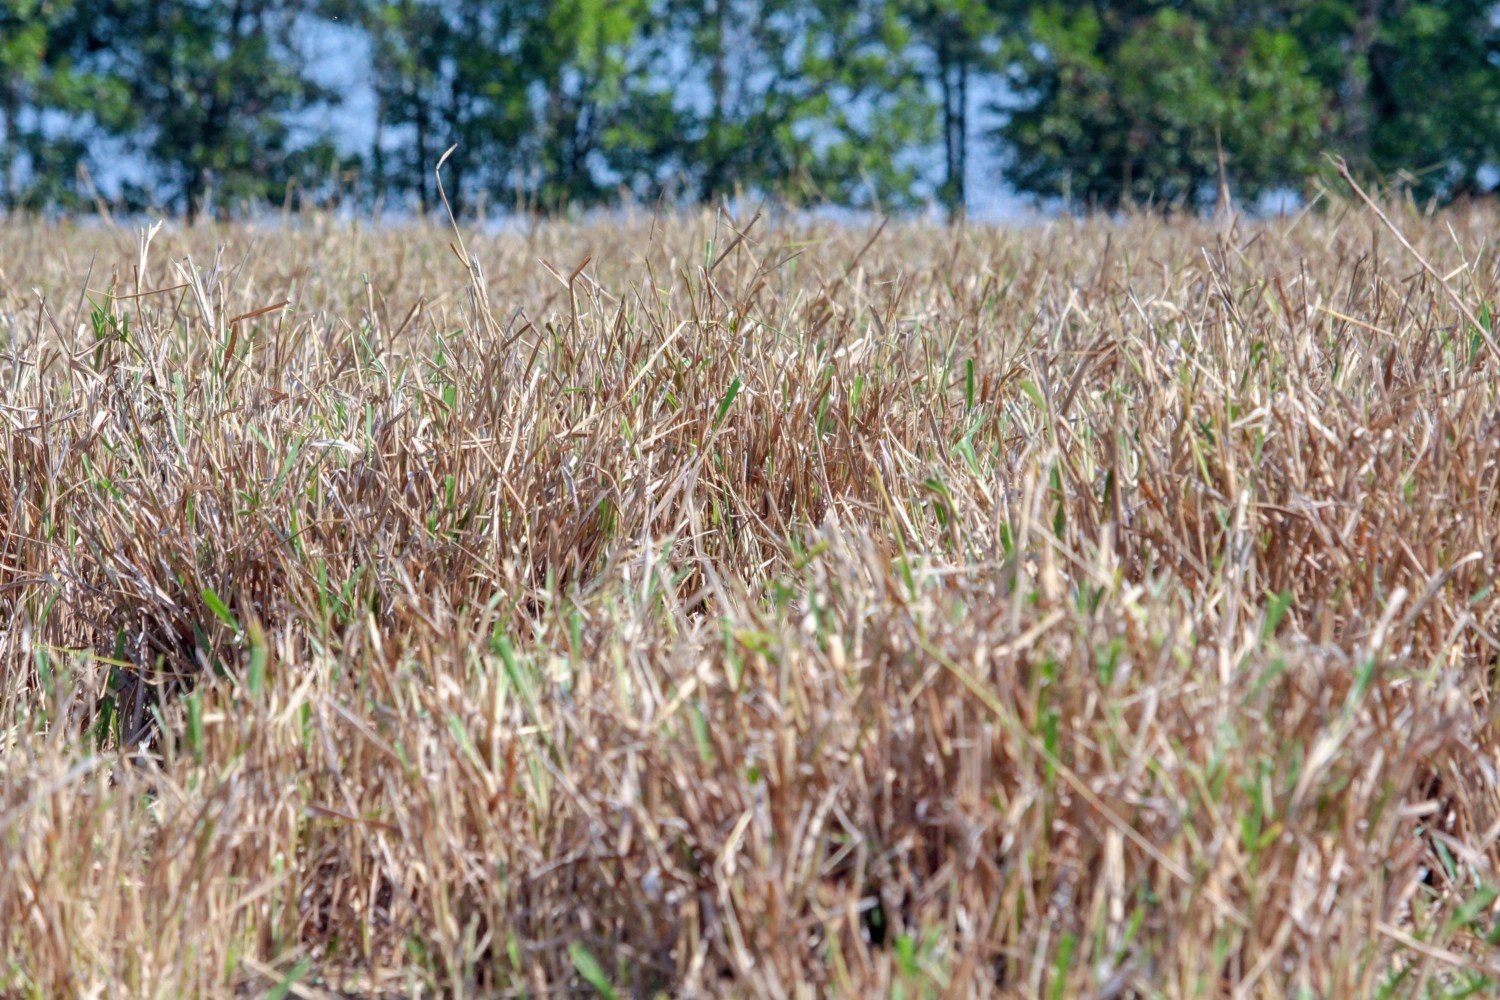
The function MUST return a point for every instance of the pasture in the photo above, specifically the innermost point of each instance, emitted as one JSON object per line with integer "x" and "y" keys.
{"x": 1099, "y": 608}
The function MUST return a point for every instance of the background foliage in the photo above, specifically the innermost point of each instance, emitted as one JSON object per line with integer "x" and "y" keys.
{"x": 214, "y": 105}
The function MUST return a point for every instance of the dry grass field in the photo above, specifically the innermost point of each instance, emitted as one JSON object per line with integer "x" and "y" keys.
{"x": 1093, "y": 609}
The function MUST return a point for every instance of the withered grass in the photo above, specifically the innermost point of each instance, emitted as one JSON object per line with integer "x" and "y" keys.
{"x": 706, "y": 607}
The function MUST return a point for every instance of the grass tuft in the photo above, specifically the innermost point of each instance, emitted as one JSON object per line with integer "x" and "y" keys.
{"x": 1095, "y": 609}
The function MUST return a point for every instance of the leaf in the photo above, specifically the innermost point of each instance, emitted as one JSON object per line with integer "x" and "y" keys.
{"x": 256, "y": 676}
{"x": 1275, "y": 611}
{"x": 1034, "y": 394}
{"x": 220, "y": 609}
{"x": 195, "y": 723}
{"x": 284, "y": 987}
{"x": 1061, "y": 965}
{"x": 729, "y": 397}
{"x": 589, "y": 968}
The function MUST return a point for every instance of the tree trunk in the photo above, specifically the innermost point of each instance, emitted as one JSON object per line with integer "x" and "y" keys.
{"x": 718, "y": 83}
{"x": 8, "y": 132}
{"x": 377, "y": 151}
{"x": 1357, "y": 125}
{"x": 454, "y": 122}
{"x": 960, "y": 204}
{"x": 950, "y": 123}
{"x": 424, "y": 160}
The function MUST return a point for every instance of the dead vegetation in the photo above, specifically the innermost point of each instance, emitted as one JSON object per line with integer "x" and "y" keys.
{"x": 1094, "y": 609}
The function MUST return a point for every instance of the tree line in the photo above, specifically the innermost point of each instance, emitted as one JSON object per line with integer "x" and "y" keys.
{"x": 212, "y": 105}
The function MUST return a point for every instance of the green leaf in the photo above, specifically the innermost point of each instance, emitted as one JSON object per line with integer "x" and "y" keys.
{"x": 1275, "y": 611}
{"x": 589, "y": 968}
{"x": 1033, "y": 393}
{"x": 284, "y": 987}
{"x": 729, "y": 397}
{"x": 255, "y": 677}
{"x": 195, "y": 723}
{"x": 220, "y": 609}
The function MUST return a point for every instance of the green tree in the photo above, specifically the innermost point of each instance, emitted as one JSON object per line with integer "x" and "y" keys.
{"x": 214, "y": 86}
{"x": 799, "y": 99}
{"x": 1415, "y": 87}
{"x": 565, "y": 102}
{"x": 48, "y": 107}
{"x": 529, "y": 91}
{"x": 953, "y": 42}
{"x": 595, "y": 77}
{"x": 1123, "y": 102}
{"x": 447, "y": 72}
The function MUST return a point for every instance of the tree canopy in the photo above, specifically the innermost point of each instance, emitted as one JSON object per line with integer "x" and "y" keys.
{"x": 215, "y": 105}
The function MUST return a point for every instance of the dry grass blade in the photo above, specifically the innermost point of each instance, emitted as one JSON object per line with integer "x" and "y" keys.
{"x": 1101, "y": 609}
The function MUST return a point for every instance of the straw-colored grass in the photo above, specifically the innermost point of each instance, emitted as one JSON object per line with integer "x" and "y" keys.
{"x": 1095, "y": 609}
